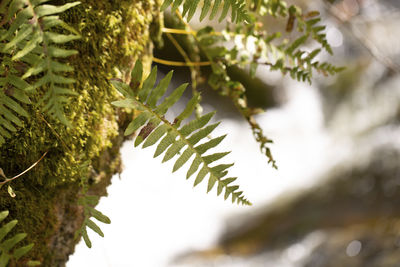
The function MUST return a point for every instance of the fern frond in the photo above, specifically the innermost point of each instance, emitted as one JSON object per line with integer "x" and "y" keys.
{"x": 33, "y": 36}
{"x": 210, "y": 8}
{"x": 8, "y": 250}
{"x": 172, "y": 137}
{"x": 88, "y": 202}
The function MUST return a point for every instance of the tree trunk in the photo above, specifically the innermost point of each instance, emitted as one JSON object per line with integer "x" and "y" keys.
{"x": 114, "y": 34}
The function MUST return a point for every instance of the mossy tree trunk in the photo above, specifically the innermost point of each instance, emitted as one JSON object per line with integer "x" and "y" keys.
{"x": 114, "y": 34}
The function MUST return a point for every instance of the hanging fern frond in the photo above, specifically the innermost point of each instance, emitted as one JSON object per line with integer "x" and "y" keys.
{"x": 33, "y": 36}
{"x": 88, "y": 202}
{"x": 7, "y": 247}
{"x": 174, "y": 137}
{"x": 211, "y": 8}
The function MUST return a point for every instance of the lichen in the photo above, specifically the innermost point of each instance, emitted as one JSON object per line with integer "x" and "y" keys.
{"x": 114, "y": 34}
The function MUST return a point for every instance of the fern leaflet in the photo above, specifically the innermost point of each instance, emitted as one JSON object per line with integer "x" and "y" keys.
{"x": 211, "y": 7}
{"x": 11, "y": 98}
{"x": 174, "y": 137}
{"x": 7, "y": 250}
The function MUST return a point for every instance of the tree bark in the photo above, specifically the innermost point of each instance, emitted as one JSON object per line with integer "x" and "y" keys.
{"x": 114, "y": 35}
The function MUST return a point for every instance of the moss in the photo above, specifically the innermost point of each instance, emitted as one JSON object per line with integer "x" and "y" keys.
{"x": 114, "y": 34}
{"x": 41, "y": 214}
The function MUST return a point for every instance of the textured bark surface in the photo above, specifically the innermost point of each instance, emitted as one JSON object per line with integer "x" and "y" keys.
{"x": 114, "y": 35}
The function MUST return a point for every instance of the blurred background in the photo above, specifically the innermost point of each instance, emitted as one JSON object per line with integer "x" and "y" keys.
{"x": 335, "y": 199}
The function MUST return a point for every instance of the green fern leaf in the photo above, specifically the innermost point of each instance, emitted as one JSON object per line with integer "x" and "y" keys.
{"x": 165, "y": 5}
{"x": 7, "y": 228}
{"x": 94, "y": 227}
{"x": 205, "y": 9}
{"x": 7, "y": 247}
{"x": 19, "y": 252}
{"x": 3, "y": 215}
{"x": 296, "y": 43}
{"x": 189, "y": 8}
{"x": 215, "y": 8}
{"x": 86, "y": 238}
{"x": 225, "y": 10}
{"x": 171, "y": 136}
{"x": 8, "y": 244}
{"x": 99, "y": 216}
{"x": 238, "y": 9}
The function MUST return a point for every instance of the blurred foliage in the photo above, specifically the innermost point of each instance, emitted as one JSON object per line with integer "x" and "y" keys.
{"x": 246, "y": 46}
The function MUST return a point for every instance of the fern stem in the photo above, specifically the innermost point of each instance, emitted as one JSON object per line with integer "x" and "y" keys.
{"x": 180, "y": 50}
{"x": 189, "y": 32}
{"x": 178, "y": 31}
{"x": 180, "y": 63}
{"x": 194, "y": 72}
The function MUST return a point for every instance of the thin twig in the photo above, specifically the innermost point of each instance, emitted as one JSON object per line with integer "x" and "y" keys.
{"x": 180, "y": 49}
{"x": 180, "y": 63}
{"x": 193, "y": 71}
{"x": 22, "y": 173}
